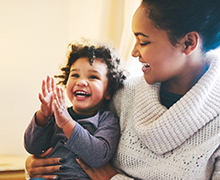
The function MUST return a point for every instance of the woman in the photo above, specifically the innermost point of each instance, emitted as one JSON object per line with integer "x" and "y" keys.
{"x": 170, "y": 126}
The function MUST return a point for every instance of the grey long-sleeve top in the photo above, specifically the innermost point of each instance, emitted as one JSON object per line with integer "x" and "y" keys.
{"x": 94, "y": 140}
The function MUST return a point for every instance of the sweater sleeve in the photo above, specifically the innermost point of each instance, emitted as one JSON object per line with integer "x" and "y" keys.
{"x": 121, "y": 177}
{"x": 36, "y": 138}
{"x": 97, "y": 149}
{"x": 216, "y": 173}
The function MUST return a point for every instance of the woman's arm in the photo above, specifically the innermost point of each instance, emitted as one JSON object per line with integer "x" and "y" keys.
{"x": 38, "y": 166}
{"x": 105, "y": 172}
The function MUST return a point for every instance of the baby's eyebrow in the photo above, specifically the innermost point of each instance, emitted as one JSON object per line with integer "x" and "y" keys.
{"x": 95, "y": 71}
{"x": 74, "y": 70}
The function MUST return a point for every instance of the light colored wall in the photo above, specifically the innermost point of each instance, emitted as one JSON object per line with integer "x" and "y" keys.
{"x": 33, "y": 39}
{"x": 34, "y": 35}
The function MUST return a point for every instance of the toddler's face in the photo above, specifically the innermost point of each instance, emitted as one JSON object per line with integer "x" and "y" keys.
{"x": 87, "y": 85}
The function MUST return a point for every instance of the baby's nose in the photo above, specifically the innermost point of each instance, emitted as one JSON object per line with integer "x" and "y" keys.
{"x": 82, "y": 82}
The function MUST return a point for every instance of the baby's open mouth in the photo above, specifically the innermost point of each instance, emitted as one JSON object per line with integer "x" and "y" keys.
{"x": 81, "y": 93}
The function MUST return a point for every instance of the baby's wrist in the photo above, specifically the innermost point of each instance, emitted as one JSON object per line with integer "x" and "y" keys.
{"x": 68, "y": 128}
{"x": 62, "y": 126}
{"x": 46, "y": 117}
{"x": 41, "y": 119}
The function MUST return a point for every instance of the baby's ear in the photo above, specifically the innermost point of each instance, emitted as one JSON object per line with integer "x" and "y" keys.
{"x": 107, "y": 97}
{"x": 190, "y": 42}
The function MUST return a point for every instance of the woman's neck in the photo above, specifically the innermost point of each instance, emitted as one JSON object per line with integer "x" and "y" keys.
{"x": 183, "y": 83}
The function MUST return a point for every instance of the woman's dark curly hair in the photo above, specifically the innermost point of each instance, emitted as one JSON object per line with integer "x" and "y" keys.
{"x": 106, "y": 53}
{"x": 179, "y": 17}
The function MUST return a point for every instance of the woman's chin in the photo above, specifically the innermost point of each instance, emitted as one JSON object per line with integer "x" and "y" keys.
{"x": 148, "y": 80}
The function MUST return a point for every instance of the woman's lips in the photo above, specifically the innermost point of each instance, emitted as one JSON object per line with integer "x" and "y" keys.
{"x": 145, "y": 67}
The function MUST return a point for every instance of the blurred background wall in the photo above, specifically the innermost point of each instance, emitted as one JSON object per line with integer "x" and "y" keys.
{"x": 34, "y": 35}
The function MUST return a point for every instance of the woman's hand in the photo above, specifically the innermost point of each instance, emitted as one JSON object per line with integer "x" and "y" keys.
{"x": 41, "y": 167}
{"x": 105, "y": 172}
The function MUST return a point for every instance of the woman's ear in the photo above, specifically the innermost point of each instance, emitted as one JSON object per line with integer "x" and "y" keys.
{"x": 190, "y": 42}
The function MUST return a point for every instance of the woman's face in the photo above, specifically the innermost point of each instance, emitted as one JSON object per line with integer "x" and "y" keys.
{"x": 161, "y": 60}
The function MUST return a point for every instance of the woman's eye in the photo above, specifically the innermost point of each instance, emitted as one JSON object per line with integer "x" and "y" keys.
{"x": 145, "y": 43}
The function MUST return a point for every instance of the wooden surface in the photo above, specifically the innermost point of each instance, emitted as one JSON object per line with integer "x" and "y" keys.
{"x": 12, "y": 167}
{"x": 12, "y": 175}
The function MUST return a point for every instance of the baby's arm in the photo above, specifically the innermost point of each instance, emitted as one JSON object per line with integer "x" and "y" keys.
{"x": 36, "y": 138}
{"x": 98, "y": 148}
{"x": 37, "y": 135}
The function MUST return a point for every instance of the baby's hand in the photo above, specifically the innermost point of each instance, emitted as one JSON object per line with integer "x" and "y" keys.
{"x": 60, "y": 110}
{"x": 46, "y": 97}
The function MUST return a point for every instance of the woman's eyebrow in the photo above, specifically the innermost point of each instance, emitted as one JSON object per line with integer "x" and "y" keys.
{"x": 138, "y": 34}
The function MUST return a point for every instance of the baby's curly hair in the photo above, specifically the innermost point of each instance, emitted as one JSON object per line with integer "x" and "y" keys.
{"x": 115, "y": 75}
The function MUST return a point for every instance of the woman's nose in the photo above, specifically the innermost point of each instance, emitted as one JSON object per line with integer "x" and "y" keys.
{"x": 135, "y": 52}
{"x": 81, "y": 82}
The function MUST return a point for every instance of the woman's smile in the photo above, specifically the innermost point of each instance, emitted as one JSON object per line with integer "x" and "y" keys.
{"x": 145, "y": 67}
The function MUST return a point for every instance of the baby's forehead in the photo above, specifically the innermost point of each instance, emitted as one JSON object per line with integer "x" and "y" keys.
{"x": 85, "y": 63}
{"x": 92, "y": 60}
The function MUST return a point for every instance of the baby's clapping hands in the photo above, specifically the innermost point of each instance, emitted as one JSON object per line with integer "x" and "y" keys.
{"x": 60, "y": 110}
{"x": 52, "y": 101}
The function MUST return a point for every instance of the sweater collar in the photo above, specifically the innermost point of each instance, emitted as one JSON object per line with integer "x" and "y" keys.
{"x": 164, "y": 129}
{"x": 85, "y": 119}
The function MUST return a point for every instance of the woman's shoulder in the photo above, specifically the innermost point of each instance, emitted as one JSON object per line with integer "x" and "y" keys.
{"x": 131, "y": 83}
{"x": 129, "y": 87}
{"x": 125, "y": 94}
{"x": 133, "y": 80}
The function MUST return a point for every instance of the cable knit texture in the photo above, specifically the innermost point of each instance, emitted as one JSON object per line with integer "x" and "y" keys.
{"x": 177, "y": 143}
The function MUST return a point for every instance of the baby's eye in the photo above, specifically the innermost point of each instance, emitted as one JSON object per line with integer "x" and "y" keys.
{"x": 74, "y": 75}
{"x": 93, "y": 77}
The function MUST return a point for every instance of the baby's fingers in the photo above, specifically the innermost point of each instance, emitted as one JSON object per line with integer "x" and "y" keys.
{"x": 42, "y": 99}
{"x": 58, "y": 108}
{"x": 56, "y": 98}
{"x": 44, "y": 88}
{"x": 60, "y": 94}
{"x": 59, "y": 102}
{"x": 50, "y": 82}
{"x": 53, "y": 84}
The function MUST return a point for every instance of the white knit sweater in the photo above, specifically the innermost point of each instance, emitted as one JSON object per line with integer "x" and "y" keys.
{"x": 177, "y": 143}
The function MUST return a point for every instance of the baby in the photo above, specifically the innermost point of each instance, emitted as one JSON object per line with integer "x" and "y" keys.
{"x": 86, "y": 130}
